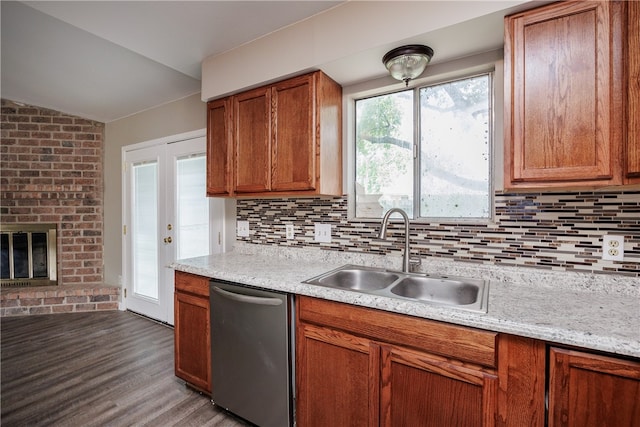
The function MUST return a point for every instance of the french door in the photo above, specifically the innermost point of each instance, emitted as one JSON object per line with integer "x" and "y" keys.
{"x": 167, "y": 216}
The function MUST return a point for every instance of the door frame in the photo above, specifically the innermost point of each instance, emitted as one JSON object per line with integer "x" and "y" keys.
{"x": 217, "y": 216}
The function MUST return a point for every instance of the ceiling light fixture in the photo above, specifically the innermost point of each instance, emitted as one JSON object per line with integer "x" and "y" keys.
{"x": 407, "y": 62}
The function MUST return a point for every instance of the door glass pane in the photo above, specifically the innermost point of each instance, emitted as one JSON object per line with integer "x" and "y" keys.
{"x": 145, "y": 229}
{"x": 384, "y": 154}
{"x": 193, "y": 207}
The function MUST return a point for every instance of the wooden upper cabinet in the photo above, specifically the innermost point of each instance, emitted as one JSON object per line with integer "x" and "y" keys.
{"x": 294, "y": 147}
{"x": 632, "y": 172}
{"x": 563, "y": 95}
{"x": 252, "y": 134}
{"x": 284, "y": 139}
{"x": 591, "y": 390}
{"x": 219, "y": 148}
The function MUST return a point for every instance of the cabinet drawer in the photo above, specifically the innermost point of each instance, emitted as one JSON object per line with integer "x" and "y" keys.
{"x": 192, "y": 283}
{"x": 463, "y": 343}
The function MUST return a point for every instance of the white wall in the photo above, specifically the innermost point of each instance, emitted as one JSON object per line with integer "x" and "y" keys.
{"x": 184, "y": 115}
{"x": 323, "y": 42}
{"x": 351, "y": 39}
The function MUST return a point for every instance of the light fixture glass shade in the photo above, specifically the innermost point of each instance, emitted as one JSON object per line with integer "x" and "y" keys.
{"x": 407, "y": 62}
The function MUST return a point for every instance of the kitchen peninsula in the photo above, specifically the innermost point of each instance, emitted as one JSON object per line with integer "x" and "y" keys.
{"x": 533, "y": 314}
{"x": 598, "y": 312}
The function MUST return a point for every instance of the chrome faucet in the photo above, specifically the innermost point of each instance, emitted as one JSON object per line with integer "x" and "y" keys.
{"x": 406, "y": 262}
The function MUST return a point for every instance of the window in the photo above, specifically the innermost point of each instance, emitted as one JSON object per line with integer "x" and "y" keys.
{"x": 425, "y": 150}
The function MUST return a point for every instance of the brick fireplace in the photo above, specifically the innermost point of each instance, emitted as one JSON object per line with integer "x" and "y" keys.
{"x": 51, "y": 171}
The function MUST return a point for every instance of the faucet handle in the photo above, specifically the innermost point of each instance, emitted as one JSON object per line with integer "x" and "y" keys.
{"x": 414, "y": 263}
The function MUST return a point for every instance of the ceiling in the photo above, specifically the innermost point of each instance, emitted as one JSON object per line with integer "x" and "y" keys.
{"x": 105, "y": 60}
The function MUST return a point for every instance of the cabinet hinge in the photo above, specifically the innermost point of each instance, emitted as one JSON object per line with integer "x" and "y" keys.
{"x": 125, "y": 292}
{"x": 124, "y": 230}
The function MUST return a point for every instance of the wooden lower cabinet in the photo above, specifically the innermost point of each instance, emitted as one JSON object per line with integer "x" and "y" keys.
{"x": 521, "y": 381}
{"x": 364, "y": 367}
{"x": 360, "y": 379}
{"x": 421, "y": 389}
{"x": 336, "y": 378}
{"x": 357, "y": 366}
{"x": 589, "y": 390}
{"x": 191, "y": 329}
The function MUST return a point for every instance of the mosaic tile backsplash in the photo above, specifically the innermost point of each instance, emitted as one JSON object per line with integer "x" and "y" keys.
{"x": 559, "y": 231}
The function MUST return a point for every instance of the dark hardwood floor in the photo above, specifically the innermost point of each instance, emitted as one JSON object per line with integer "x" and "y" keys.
{"x": 108, "y": 368}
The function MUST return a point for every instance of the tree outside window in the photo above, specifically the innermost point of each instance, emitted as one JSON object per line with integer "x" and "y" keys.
{"x": 452, "y": 151}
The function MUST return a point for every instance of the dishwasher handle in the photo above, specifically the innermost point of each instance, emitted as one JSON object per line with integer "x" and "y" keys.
{"x": 247, "y": 298}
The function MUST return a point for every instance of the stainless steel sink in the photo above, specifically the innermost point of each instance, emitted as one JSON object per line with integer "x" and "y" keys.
{"x": 446, "y": 291}
{"x": 460, "y": 292}
{"x": 359, "y": 279}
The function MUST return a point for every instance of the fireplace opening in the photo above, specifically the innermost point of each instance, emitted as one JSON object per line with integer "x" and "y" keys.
{"x": 28, "y": 255}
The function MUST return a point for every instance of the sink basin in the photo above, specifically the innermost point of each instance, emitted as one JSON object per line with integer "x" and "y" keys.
{"x": 439, "y": 290}
{"x": 460, "y": 292}
{"x": 358, "y": 279}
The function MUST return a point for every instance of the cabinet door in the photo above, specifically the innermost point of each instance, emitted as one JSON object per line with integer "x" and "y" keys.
{"x": 419, "y": 389}
{"x": 633, "y": 99}
{"x": 219, "y": 148}
{"x": 294, "y": 139}
{"x": 337, "y": 377}
{"x": 587, "y": 390}
{"x": 252, "y": 134}
{"x": 522, "y": 372}
{"x": 192, "y": 340}
{"x": 562, "y": 110}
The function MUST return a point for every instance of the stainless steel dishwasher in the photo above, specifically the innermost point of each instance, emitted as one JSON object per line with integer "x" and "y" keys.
{"x": 252, "y": 353}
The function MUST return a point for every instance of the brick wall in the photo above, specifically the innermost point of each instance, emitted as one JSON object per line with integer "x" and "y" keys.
{"x": 51, "y": 172}
{"x": 57, "y": 299}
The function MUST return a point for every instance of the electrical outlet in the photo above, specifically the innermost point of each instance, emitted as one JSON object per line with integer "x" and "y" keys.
{"x": 242, "y": 228}
{"x": 613, "y": 248}
{"x": 322, "y": 233}
{"x": 289, "y": 231}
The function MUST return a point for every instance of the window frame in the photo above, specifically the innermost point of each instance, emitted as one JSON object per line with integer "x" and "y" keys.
{"x": 487, "y": 63}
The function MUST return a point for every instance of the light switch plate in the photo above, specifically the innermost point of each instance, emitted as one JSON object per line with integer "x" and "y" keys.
{"x": 242, "y": 228}
{"x": 322, "y": 233}
{"x": 613, "y": 247}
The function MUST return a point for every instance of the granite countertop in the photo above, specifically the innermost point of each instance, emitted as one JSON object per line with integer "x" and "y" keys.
{"x": 598, "y": 312}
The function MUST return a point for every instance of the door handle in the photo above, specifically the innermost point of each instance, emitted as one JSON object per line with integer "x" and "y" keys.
{"x": 168, "y": 239}
{"x": 247, "y": 298}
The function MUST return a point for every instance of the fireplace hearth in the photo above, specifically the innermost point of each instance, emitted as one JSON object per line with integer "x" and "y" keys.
{"x": 28, "y": 255}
